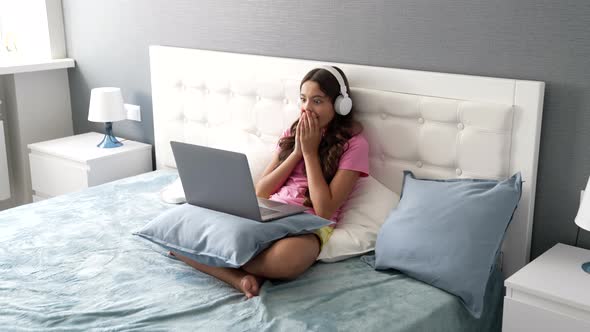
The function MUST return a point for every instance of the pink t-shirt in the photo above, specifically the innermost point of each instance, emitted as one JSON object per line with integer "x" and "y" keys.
{"x": 355, "y": 158}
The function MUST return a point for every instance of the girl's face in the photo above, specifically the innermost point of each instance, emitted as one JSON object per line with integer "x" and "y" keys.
{"x": 316, "y": 103}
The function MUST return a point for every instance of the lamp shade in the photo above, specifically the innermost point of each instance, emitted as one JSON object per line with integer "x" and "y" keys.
{"x": 583, "y": 217}
{"x": 106, "y": 105}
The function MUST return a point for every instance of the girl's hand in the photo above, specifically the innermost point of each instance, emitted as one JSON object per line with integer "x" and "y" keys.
{"x": 310, "y": 134}
{"x": 297, "y": 149}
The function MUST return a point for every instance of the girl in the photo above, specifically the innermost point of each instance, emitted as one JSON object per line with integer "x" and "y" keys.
{"x": 317, "y": 163}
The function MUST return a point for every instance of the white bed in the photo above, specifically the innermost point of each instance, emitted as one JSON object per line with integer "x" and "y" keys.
{"x": 71, "y": 263}
{"x": 434, "y": 124}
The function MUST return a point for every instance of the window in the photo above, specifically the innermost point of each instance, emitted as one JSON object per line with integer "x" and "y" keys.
{"x": 31, "y": 30}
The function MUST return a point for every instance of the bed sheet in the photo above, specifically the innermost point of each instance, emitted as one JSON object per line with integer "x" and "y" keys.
{"x": 70, "y": 263}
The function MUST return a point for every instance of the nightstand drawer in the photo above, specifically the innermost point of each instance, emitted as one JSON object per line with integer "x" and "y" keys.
{"x": 51, "y": 176}
{"x": 520, "y": 316}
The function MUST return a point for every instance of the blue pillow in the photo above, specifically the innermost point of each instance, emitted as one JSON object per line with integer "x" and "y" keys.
{"x": 447, "y": 233}
{"x": 219, "y": 239}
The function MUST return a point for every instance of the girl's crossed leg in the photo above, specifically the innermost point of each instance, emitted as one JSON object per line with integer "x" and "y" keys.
{"x": 286, "y": 259}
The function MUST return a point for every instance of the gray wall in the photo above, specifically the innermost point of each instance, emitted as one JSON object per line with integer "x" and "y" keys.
{"x": 526, "y": 39}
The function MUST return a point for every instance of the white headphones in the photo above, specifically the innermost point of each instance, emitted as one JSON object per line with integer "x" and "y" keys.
{"x": 343, "y": 103}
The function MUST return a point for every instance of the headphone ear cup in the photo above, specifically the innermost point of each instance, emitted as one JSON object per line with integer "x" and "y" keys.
{"x": 342, "y": 105}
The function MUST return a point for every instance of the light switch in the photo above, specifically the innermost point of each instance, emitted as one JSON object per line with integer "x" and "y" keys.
{"x": 133, "y": 112}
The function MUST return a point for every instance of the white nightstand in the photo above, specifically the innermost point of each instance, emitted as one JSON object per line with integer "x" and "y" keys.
{"x": 552, "y": 293}
{"x": 73, "y": 163}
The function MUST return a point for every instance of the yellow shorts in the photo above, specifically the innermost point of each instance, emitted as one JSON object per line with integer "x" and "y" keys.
{"x": 324, "y": 234}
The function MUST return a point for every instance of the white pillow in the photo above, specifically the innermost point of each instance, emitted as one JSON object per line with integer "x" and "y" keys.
{"x": 173, "y": 193}
{"x": 362, "y": 216}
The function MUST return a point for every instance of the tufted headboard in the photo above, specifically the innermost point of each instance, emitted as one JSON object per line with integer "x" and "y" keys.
{"x": 435, "y": 124}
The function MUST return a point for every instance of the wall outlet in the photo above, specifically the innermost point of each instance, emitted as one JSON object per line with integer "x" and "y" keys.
{"x": 133, "y": 112}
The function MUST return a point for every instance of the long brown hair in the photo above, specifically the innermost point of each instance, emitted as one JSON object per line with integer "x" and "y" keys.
{"x": 335, "y": 139}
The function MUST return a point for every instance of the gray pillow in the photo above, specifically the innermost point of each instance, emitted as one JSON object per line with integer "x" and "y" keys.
{"x": 447, "y": 233}
{"x": 219, "y": 239}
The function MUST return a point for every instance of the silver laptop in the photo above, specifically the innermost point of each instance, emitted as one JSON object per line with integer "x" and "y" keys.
{"x": 220, "y": 180}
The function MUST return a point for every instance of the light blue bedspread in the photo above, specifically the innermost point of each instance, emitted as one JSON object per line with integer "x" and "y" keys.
{"x": 71, "y": 264}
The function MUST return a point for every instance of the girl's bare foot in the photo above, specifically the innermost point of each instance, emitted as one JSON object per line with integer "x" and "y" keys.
{"x": 246, "y": 283}
{"x": 250, "y": 285}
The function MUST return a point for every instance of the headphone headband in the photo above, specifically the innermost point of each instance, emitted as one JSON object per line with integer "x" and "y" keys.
{"x": 339, "y": 78}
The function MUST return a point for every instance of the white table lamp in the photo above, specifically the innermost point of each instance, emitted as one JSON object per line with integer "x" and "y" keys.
{"x": 106, "y": 105}
{"x": 583, "y": 218}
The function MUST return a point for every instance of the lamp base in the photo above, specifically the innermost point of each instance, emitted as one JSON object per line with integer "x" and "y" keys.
{"x": 109, "y": 140}
{"x": 586, "y": 267}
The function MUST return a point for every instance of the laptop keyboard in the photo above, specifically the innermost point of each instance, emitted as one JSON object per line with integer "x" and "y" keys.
{"x": 265, "y": 212}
